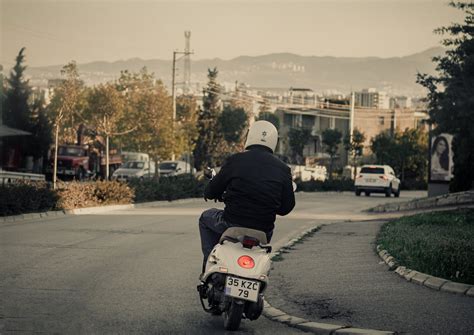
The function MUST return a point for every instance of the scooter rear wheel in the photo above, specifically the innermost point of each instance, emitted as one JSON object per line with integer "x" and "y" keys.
{"x": 233, "y": 315}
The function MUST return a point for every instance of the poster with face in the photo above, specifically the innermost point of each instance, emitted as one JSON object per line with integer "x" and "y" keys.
{"x": 441, "y": 158}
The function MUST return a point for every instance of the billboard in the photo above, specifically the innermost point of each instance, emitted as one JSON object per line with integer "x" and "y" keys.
{"x": 441, "y": 158}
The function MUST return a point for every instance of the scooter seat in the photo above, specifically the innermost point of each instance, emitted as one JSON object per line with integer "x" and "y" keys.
{"x": 237, "y": 232}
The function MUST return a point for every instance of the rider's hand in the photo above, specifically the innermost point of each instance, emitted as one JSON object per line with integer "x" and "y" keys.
{"x": 209, "y": 173}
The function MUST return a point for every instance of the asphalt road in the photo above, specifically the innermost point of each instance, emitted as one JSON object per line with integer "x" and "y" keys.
{"x": 130, "y": 271}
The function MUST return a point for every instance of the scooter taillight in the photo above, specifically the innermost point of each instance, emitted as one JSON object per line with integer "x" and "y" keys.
{"x": 246, "y": 262}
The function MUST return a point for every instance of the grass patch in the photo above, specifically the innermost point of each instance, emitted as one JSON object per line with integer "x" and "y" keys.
{"x": 440, "y": 244}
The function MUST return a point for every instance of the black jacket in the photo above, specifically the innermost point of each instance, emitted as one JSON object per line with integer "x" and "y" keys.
{"x": 257, "y": 186}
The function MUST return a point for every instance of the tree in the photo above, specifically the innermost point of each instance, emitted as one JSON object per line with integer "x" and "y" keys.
{"x": 298, "y": 138}
{"x": 331, "y": 140}
{"x": 17, "y": 109}
{"x": 41, "y": 130}
{"x": 384, "y": 146}
{"x": 232, "y": 123}
{"x": 208, "y": 149}
{"x": 3, "y": 90}
{"x": 65, "y": 106}
{"x": 148, "y": 107}
{"x": 451, "y": 102}
{"x": 354, "y": 145}
{"x": 270, "y": 117}
{"x": 404, "y": 151}
{"x": 68, "y": 103}
{"x": 105, "y": 112}
{"x": 187, "y": 132}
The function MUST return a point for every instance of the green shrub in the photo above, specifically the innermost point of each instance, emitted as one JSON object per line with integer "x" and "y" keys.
{"x": 169, "y": 188}
{"x": 339, "y": 185}
{"x": 26, "y": 197}
{"x": 414, "y": 184}
{"x": 440, "y": 243}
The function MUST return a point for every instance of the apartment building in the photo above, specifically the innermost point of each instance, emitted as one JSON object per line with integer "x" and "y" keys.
{"x": 371, "y": 98}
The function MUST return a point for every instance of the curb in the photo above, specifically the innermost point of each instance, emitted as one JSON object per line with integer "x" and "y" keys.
{"x": 92, "y": 210}
{"x": 435, "y": 283}
{"x": 461, "y": 199}
{"x": 277, "y": 315}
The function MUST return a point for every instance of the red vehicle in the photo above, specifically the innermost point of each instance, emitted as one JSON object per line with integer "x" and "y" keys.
{"x": 80, "y": 162}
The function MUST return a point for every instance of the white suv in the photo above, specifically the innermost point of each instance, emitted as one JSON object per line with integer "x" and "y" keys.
{"x": 377, "y": 179}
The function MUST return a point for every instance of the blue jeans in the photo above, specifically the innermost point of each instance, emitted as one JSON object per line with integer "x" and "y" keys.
{"x": 211, "y": 227}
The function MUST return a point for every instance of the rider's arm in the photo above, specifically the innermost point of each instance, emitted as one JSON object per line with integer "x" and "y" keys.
{"x": 218, "y": 184}
{"x": 288, "y": 197}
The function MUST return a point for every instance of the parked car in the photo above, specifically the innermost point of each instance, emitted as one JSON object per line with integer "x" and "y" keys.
{"x": 135, "y": 169}
{"x": 174, "y": 168}
{"x": 129, "y": 156}
{"x": 377, "y": 179}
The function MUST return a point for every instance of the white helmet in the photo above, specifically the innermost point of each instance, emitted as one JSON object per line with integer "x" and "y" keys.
{"x": 262, "y": 133}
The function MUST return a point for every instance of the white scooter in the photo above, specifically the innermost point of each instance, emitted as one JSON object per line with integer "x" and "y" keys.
{"x": 236, "y": 276}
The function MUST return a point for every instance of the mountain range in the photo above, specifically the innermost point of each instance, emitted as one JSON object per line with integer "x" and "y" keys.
{"x": 396, "y": 75}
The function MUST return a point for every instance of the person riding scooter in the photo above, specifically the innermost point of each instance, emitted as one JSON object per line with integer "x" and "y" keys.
{"x": 254, "y": 185}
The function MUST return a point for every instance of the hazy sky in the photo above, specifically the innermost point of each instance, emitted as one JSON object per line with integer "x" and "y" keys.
{"x": 57, "y": 31}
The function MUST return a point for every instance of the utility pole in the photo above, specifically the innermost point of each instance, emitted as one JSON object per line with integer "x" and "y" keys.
{"x": 351, "y": 133}
{"x": 173, "y": 87}
{"x": 351, "y": 122}
{"x": 187, "y": 62}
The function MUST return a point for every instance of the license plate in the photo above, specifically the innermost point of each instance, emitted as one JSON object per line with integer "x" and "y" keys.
{"x": 370, "y": 180}
{"x": 242, "y": 288}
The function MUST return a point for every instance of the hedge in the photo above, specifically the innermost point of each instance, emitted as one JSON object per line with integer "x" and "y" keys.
{"x": 27, "y": 196}
{"x": 89, "y": 194}
{"x": 339, "y": 185}
{"x": 169, "y": 188}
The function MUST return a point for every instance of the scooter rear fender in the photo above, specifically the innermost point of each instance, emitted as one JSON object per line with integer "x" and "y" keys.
{"x": 223, "y": 259}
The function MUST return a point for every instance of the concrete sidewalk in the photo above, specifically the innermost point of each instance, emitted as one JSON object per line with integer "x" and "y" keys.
{"x": 336, "y": 277}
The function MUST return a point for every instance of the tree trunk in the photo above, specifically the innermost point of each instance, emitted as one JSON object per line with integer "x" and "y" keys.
{"x": 331, "y": 161}
{"x": 55, "y": 167}
{"x": 106, "y": 157}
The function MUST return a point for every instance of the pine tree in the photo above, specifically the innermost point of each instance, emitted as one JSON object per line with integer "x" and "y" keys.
{"x": 209, "y": 144}
{"x": 17, "y": 110}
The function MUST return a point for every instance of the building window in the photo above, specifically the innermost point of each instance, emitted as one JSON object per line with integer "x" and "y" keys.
{"x": 381, "y": 120}
{"x": 308, "y": 121}
{"x": 288, "y": 120}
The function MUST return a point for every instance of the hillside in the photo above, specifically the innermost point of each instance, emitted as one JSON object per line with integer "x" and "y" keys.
{"x": 279, "y": 70}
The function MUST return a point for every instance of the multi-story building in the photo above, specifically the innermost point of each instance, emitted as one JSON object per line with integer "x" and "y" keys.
{"x": 317, "y": 120}
{"x": 400, "y": 102}
{"x": 370, "y": 121}
{"x": 300, "y": 96}
{"x": 373, "y": 121}
{"x": 371, "y": 98}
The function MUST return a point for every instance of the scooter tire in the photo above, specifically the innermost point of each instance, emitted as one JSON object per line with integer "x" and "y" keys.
{"x": 233, "y": 315}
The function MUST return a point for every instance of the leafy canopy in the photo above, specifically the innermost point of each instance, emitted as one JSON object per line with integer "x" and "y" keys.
{"x": 450, "y": 94}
